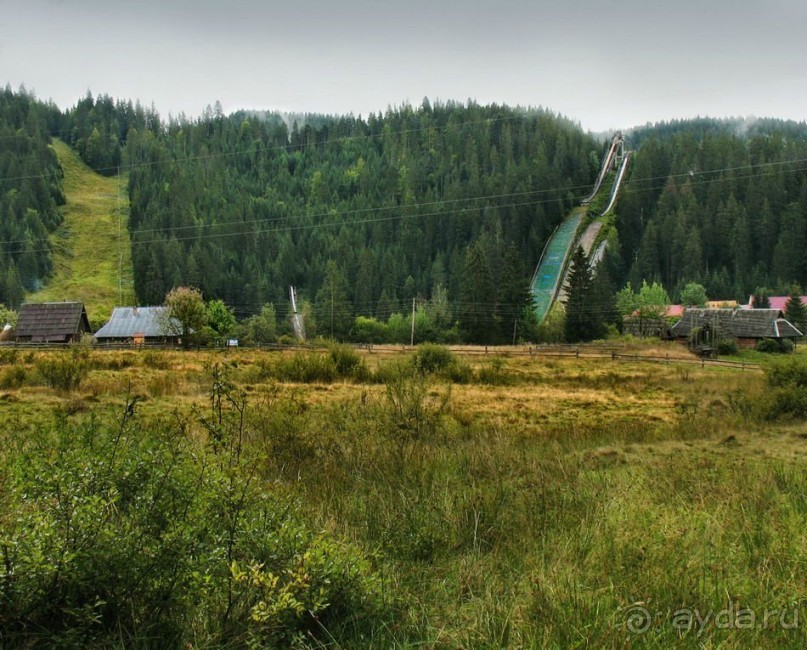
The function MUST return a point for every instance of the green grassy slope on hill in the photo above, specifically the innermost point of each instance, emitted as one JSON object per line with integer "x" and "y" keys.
{"x": 88, "y": 245}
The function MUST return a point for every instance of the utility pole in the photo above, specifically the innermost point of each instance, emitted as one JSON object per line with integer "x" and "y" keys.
{"x": 412, "y": 336}
{"x": 120, "y": 249}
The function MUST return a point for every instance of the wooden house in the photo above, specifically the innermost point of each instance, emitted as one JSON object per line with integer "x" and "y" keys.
{"x": 51, "y": 322}
{"x": 139, "y": 326}
{"x": 748, "y": 327}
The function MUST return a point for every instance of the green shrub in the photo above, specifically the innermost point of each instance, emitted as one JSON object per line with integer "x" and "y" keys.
{"x": 118, "y": 536}
{"x": 347, "y": 362}
{"x": 307, "y": 368}
{"x": 431, "y": 358}
{"x": 728, "y": 347}
{"x": 64, "y": 370}
{"x": 459, "y": 372}
{"x": 7, "y": 357}
{"x": 494, "y": 373}
{"x": 783, "y": 346}
{"x": 369, "y": 330}
{"x": 769, "y": 346}
{"x": 783, "y": 403}
{"x": 784, "y": 372}
{"x": 414, "y": 406}
{"x": 786, "y": 396}
{"x": 13, "y": 377}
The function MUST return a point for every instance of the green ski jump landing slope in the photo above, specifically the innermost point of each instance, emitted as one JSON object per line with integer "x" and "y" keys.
{"x": 545, "y": 283}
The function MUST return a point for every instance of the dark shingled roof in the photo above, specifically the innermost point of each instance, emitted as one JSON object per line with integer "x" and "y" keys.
{"x": 738, "y": 323}
{"x": 51, "y": 321}
{"x": 128, "y": 322}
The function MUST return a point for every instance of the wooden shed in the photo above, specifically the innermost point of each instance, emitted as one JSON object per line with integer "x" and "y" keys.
{"x": 747, "y": 326}
{"x": 51, "y": 322}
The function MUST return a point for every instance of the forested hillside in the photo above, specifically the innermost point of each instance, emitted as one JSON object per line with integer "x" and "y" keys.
{"x": 30, "y": 191}
{"x": 361, "y": 216}
{"x": 723, "y": 203}
{"x": 449, "y": 204}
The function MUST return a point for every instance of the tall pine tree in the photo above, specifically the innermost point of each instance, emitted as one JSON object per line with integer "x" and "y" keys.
{"x": 796, "y": 310}
{"x": 583, "y": 322}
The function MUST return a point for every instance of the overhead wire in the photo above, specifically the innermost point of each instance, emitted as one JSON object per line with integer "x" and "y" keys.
{"x": 696, "y": 177}
{"x": 628, "y": 189}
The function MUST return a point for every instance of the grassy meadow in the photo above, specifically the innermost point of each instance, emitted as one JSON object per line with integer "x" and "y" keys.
{"x": 427, "y": 500}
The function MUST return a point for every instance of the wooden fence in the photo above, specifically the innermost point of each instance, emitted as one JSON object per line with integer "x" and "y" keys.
{"x": 613, "y": 353}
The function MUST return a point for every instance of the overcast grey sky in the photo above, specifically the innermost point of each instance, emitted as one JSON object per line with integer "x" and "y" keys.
{"x": 605, "y": 64}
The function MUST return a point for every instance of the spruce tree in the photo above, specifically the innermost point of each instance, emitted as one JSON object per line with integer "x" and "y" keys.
{"x": 477, "y": 313}
{"x": 762, "y": 298}
{"x": 582, "y": 322}
{"x": 795, "y": 309}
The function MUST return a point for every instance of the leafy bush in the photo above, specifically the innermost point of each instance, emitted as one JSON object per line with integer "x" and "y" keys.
{"x": 307, "y": 368}
{"x": 8, "y": 357}
{"x": 728, "y": 347}
{"x": 494, "y": 373}
{"x": 369, "y": 330}
{"x": 786, "y": 346}
{"x": 414, "y": 407}
{"x": 348, "y": 363}
{"x": 774, "y": 346}
{"x": 64, "y": 370}
{"x": 431, "y": 358}
{"x": 785, "y": 372}
{"x": 459, "y": 372}
{"x": 121, "y": 536}
{"x": 13, "y": 377}
{"x": 786, "y": 396}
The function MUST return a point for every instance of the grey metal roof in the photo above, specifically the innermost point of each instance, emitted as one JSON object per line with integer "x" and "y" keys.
{"x": 51, "y": 321}
{"x": 128, "y": 322}
{"x": 739, "y": 323}
{"x": 786, "y": 329}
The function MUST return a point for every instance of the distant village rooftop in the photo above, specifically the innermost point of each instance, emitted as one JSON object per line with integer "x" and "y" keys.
{"x": 137, "y": 324}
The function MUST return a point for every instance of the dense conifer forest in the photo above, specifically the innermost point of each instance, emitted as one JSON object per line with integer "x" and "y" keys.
{"x": 448, "y": 204}
{"x": 30, "y": 193}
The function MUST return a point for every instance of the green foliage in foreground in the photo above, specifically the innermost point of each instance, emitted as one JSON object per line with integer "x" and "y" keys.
{"x": 112, "y": 533}
{"x": 464, "y": 531}
{"x": 786, "y": 397}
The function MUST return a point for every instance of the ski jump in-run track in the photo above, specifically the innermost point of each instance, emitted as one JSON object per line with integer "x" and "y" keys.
{"x": 553, "y": 267}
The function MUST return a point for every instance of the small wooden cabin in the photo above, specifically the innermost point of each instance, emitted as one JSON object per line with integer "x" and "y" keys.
{"x": 51, "y": 322}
